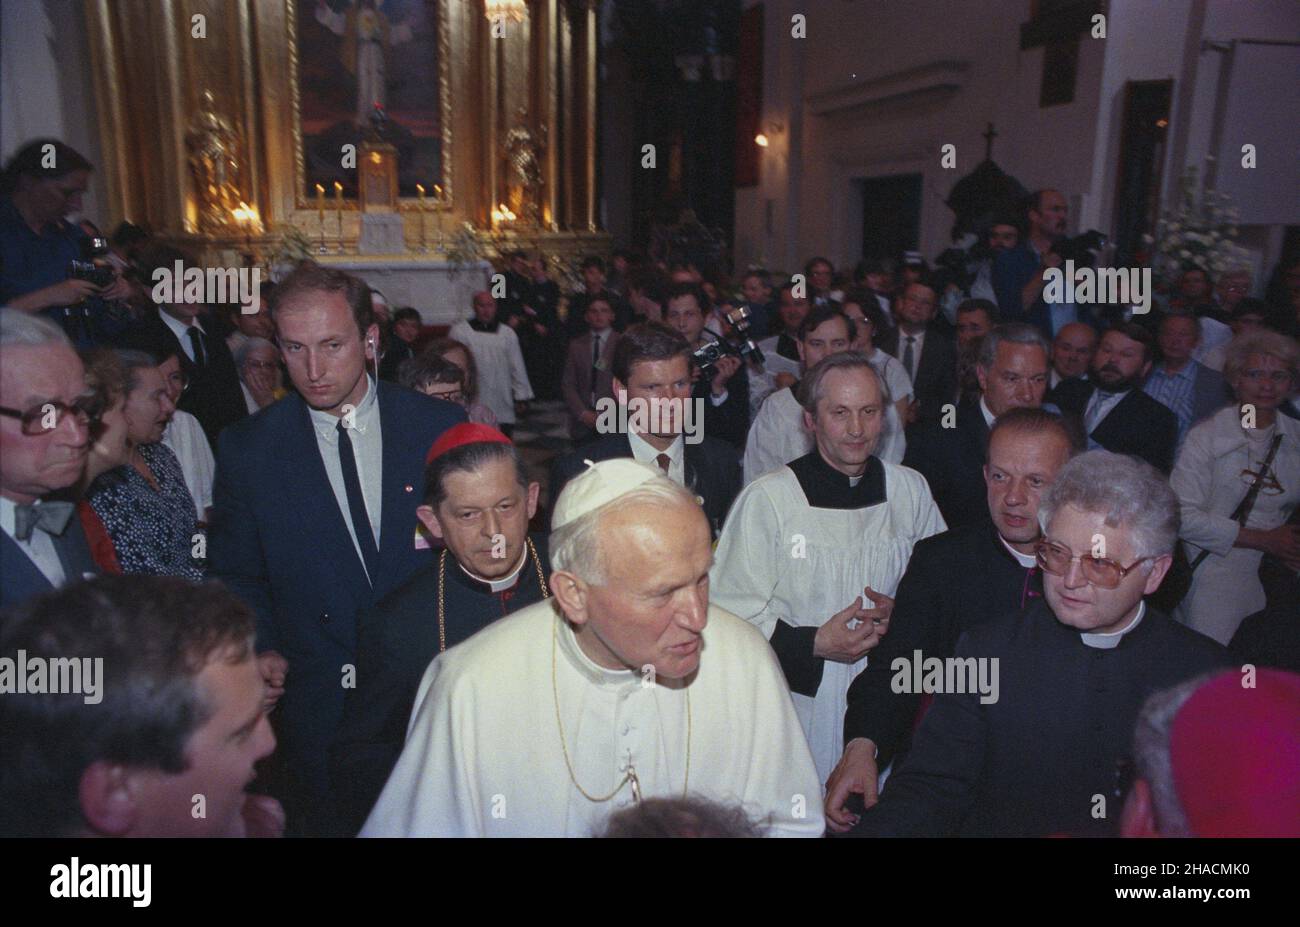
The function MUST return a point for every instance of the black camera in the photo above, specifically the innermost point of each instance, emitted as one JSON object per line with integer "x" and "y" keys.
{"x": 1082, "y": 249}
{"x": 708, "y": 354}
{"x": 93, "y": 266}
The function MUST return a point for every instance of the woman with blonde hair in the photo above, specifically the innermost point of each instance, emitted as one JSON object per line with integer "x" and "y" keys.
{"x": 1237, "y": 478}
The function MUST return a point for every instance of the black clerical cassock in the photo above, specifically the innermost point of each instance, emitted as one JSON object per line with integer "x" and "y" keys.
{"x": 399, "y": 638}
{"x": 954, "y": 581}
{"x": 1041, "y": 759}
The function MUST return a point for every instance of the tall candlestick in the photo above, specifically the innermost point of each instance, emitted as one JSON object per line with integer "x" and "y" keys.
{"x": 424, "y": 244}
{"x": 338, "y": 208}
{"x": 320, "y": 210}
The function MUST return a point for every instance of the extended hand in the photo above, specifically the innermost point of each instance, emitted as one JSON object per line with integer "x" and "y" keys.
{"x": 836, "y": 641}
{"x": 273, "y": 668}
{"x": 856, "y": 773}
{"x": 726, "y": 369}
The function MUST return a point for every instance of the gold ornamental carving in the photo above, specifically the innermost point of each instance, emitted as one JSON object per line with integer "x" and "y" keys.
{"x": 213, "y": 145}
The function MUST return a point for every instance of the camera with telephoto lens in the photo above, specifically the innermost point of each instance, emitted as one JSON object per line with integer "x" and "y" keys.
{"x": 1082, "y": 249}
{"x": 707, "y": 355}
{"x": 93, "y": 266}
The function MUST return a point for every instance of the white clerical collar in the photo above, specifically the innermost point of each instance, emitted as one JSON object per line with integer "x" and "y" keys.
{"x": 1025, "y": 560}
{"x": 326, "y": 423}
{"x": 505, "y": 582}
{"x": 989, "y": 417}
{"x": 588, "y": 668}
{"x": 646, "y": 452}
{"x": 1110, "y": 640}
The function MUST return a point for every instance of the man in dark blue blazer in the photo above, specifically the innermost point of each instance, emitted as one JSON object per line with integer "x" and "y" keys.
{"x": 44, "y": 437}
{"x": 652, "y": 361}
{"x": 314, "y": 513}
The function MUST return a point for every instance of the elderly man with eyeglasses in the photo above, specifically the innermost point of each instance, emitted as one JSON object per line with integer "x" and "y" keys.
{"x": 44, "y": 437}
{"x": 1035, "y": 753}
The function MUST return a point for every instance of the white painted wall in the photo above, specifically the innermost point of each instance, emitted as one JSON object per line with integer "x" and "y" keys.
{"x": 45, "y": 84}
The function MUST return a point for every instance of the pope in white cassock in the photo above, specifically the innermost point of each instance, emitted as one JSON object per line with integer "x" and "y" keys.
{"x": 812, "y": 553}
{"x": 549, "y": 720}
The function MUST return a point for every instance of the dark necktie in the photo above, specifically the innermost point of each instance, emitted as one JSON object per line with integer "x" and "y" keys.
{"x": 357, "y": 505}
{"x": 50, "y": 517}
{"x": 664, "y": 462}
{"x": 909, "y": 358}
{"x": 595, "y": 366}
{"x": 196, "y": 342}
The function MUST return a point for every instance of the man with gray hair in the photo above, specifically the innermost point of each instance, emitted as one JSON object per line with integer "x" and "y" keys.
{"x": 45, "y": 416}
{"x": 1037, "y": 756}
{"x": 949, "y": 452}
{"x": 812, "y": 553}
{"x": 628, "y": 685}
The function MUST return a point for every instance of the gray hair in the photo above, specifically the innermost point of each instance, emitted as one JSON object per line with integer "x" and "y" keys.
{"x": 1260, "y": 341}
{"x": 1010, "y": 333}
{"x": 575, "y": 547}
{"x": 1129, "y": 492}
{"x": 132, "y": 363}
{"x": 248, "y": 345}
{"x": 810, "y": 387}
{"x": 1151, "y": 753}
{"x": 19, "y": 329}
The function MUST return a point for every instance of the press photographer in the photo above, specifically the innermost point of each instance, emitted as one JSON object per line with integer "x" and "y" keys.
{"x": 47, "y": 263}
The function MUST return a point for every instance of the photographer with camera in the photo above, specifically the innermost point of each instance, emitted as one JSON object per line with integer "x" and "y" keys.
{"x": 47, "y": 264}
{"x": 1018, "y": 273}
{"x": 722, "y": 375}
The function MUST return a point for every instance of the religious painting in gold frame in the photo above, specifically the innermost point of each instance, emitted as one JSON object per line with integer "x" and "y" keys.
{"x": 346, "y": 56}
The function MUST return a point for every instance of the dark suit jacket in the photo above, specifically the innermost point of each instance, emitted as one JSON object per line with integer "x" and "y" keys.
{"x": 278, "y": 539}
{"x": 575, "y": 383}
{"x": 20, "y": 579}
{"x": 214, "y": 396}
{"x": 1029, "y": 762}
{"x": 952, "y": 462}
{"x": 398, "y": 640}
{"x": 1138, "y": 424}
{"x": 954, "y": 581}
{"x": 398, "y": 351}
{"x": 712, "y": 471}
{"x": 730, "y": 420}
{"x": 935, "y": 382}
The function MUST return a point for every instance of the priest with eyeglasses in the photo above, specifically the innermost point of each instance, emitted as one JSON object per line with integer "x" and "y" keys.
{"x": 626, "y": 685}
{"x": 1075, "y": 667}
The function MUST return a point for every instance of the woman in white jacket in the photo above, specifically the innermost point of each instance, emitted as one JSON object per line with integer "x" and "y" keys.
{"x": 1216, "y": 466}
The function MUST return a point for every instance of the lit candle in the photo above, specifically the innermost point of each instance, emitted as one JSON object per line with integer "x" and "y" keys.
{"x": 320, "y": 204}
{"x": 338, "y": 207}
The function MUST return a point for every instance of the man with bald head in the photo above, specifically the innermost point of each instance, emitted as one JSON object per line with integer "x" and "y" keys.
{"x": 44, "y": 436}
{"x": 1072, "y": 351}
{"x": 629, "y": 686}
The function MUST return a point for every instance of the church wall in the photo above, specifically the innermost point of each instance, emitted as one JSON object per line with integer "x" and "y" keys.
{"x": 45, "y": 72}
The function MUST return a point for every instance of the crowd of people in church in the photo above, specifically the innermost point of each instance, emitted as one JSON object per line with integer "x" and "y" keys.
{"x": 903, "y": 555}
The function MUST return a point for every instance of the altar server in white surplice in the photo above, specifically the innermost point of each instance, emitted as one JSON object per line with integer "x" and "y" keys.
{"x": 549, "y": 720}
{"x": 503, "y": 379}
{"x": 812, "y": 553}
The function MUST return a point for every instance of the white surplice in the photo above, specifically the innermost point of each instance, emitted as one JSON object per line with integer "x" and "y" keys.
{"x": 502, "y": 378}
{"x": 777, "y": 435}
{"x": 1210, "y": 482}
{"x": 483, "y": 754}
{"x": 781, "y": 559}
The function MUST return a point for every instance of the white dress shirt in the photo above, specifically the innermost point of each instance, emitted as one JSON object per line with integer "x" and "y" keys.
{"x": 1099, "y": 406}
{"x": 39, "y": 547}
{"x": 182, "y": 332}
{"x": 184, "y": 435}
{"x": 646, "y": 452}
{"x": 918, "y": 345}
{"x": 368, "y": 449}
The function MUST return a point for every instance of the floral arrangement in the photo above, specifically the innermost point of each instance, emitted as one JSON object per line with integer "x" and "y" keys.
{"x": 1201, "y": 231}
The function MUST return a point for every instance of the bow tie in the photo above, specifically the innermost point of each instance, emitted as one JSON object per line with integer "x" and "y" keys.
{"x": 50, "y": 517}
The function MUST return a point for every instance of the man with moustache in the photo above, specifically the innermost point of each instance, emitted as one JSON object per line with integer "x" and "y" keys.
{"x": 1072, "y": 350}
{"x": 45, "y": 415}
{"x": 811, "y": 552}
{"x": 1039, "y": 755}
{"x": 477, "y": 502}
{"x": 314, "y": 512}
{"x": 954, "y": 581}
{"x": 950, "y": 454}
{"x": 1116, "y": 414}
{"x": 628, "y": 686}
